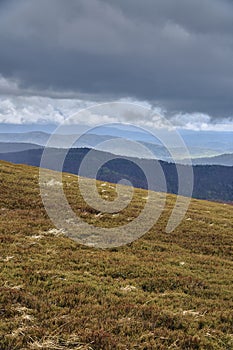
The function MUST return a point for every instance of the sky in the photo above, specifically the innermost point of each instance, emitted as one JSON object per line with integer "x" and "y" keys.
{"x": 174, "y": 57}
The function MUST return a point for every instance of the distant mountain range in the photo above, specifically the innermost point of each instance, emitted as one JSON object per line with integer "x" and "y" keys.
{"x": 160, "y": 152}
{"x": 213, "y": 171}
{"x": 218, "y": 141}
{"x": 211, "y": 182}
{"x": 59, "y": 141}
{"x": 96, "y": 141}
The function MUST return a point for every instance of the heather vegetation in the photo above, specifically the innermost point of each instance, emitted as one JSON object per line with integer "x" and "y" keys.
{"x": 163, "y": 291}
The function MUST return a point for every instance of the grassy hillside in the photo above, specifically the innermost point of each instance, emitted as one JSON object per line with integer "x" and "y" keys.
{"x": 163, "y": 291}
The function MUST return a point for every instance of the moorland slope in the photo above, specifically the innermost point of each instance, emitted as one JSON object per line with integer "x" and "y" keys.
{"x": 163, "y": 291}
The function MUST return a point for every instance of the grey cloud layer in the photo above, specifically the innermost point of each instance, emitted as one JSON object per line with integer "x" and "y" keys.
{"x": 178, "y": 54}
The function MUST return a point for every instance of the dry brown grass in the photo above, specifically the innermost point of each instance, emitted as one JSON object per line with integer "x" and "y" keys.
{"x": 163, "y": 291}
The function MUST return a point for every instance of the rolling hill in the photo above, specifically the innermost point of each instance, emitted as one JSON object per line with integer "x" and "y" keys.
{"x": 222, "y": 159}
{"x": 163, "y": 291}
{"x": 8, "y": 147}
{"x": 211, "y": 182}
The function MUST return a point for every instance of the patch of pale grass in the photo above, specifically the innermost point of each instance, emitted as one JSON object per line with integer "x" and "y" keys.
{"x": 128, "y": 288}
{"x": 57, "y": 343}
{"x": 53, "y": 182}
{"x": 17, "y": 287}
{"x": 193, "y": 313}
{"x": 54, "y": 231}
{"x": 8, "y": 258}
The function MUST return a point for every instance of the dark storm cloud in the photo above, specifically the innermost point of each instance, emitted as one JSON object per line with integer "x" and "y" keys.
{"x": 175, "y": 53}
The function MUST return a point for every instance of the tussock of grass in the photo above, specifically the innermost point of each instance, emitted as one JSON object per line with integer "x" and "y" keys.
{"x": 163, "y": 291}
